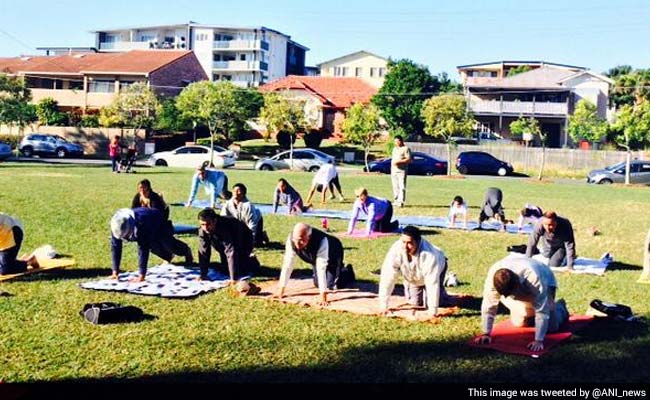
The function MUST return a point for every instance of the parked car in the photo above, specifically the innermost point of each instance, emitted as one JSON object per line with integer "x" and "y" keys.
{"x": 5, "y": 151}
{"x": 480, "y": 162}
{"x": 303, "y": 159}
{"x": 192, "y": 156}
{"x": 47, "y": 145}
{"x": 422, "y": 164}
{"x": 639, "y": 173}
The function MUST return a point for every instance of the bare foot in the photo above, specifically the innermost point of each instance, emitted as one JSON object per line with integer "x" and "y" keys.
{"x": 33, "y": 262}
{"x": 139, "y": 279}
{"x": 114, "y": 275}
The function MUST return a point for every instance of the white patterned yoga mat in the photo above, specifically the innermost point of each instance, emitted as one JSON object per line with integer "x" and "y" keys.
{"x": 165, "y": 280}
{"x": 581, "y": 265}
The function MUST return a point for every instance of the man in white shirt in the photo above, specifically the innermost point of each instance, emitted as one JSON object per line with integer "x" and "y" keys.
{"x": 400, "y": 159}
{"x": 457, "y": 208}
{"x": 241, "y": 208}
{"x": 527, "y": 287}
{"x": 421, "y": 264}
{"x": 323, "y": 252}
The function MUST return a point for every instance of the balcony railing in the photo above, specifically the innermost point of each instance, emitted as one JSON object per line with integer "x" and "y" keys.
{"x": 517, "y": 107}
{"x": 239, "y": 65}
{"x": 241, "y": 44}
{"x": 123, "y": 46}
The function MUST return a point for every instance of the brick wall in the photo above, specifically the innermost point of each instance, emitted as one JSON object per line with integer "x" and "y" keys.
{"x": 168, "y": 80}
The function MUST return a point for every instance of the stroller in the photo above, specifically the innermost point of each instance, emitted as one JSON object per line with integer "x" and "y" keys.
{"x": 127, "y": 159}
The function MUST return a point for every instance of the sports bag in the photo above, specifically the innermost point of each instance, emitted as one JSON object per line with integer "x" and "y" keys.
{"x": 110, "y": 313}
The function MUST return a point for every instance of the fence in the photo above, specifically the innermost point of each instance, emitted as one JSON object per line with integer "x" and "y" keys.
{"x": 571, "y": 159}
{"x": 94, "y": 140}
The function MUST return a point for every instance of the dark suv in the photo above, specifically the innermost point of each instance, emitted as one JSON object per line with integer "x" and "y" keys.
{"x": 43, "y": 144}
{"x": 479, "y": 162}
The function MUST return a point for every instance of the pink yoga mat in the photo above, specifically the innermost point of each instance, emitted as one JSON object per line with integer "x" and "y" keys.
{"x": 507, "y": 338}
{"x": 361, "y": 234}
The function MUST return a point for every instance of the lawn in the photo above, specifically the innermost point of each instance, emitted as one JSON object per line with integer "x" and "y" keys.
{"x": 221, "y": 338}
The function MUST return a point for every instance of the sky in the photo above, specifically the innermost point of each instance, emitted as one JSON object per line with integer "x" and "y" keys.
{"x": 440, "y": 34}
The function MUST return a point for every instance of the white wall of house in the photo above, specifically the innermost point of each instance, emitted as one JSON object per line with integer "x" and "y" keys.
{"x": 593, "y": 89}
{"x": 368, "y": 67}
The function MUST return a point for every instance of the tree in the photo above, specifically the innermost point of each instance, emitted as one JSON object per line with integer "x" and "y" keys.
{"x": 617, "y": 71}
{"x": 170, "y": 119}
{"x": 15, "y": 109}
{"x": 447, "y": 85}
{"x": 446, "y": 116}
{"x": 585, "y": 124}
{"x": 633, "y": 127}
{"x": 136, "y": 106}
{"x": 530, "y": 126}
{"x": 406, "y": 87}
{"x": 519, "y": 70}
{"x": 109, "y": 117}
{"x": 279, "y": 114}
{"x": 631, "y": 87}
{"x": 47, "y": 111}
{"x": 361, "y": 126}
{"x": 221, "y": 106}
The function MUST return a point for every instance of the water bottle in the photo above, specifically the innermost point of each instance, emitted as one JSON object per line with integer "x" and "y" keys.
{"x": 325, "y": 224}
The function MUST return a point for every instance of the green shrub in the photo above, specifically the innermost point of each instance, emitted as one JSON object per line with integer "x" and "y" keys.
{"x": 313, "y": 138}
{"x": 89, "y": 121}
{"x": 11, "y": 140}
{"x": 285, "y": 140}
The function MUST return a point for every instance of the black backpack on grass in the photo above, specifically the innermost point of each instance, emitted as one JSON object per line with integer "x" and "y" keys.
{"x": 110, "y": 313}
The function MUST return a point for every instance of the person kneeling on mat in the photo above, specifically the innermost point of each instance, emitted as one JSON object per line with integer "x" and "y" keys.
{"x": 558, "y": 244}
{"x": 323, "y": 252}
{"x": 422, "y": 265}
{"x": 527, "y": 288}
{"x": 378, "y": 210}
{"x": 11, "y": 237}
{"x": 232, "y": 239}
{"x": 151, "y": 231}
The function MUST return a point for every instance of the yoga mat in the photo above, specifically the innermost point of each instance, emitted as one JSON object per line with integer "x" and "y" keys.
{"x": 180, "y": 229}
{"x": 45, "y": 265}
{"x": 581, "y": 265}
{"x": 361, "y": 234}
{"x": 510, "y": 339}
{"x": 426, "y": 221}
{"x": 165, "y": 280}
{"x": 362, "y": 300}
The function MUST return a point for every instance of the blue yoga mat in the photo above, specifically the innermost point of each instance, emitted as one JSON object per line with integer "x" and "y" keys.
{"x": 432, "y": 222}
{"x": 180, "y": 229}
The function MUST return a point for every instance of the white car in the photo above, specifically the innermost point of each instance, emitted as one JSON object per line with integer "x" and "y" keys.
{"x": 193, "y": 156}
{"x": 303, "y": 160}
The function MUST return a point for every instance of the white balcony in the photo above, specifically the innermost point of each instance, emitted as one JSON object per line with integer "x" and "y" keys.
{"x": 241, "y": 45}
{"x": 123, "y": 46}
{"x": 237, "y": 65}
{"x": 517, "y": 107}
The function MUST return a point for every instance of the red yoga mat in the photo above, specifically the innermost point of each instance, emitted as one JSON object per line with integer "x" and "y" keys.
{"x": 507, "y": 338}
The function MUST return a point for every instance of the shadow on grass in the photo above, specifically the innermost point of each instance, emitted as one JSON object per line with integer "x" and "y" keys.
{"x": 68, "y": 273}
{"x": 620, "y": 266}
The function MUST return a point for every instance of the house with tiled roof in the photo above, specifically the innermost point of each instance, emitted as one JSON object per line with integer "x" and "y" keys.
{"x": 91, "y": 80}
{"x": 326, "y": 98}
{"x": 548, "y": 92}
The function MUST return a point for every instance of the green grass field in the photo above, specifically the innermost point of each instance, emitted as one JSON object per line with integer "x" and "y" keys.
{"x": 221, "y": 338}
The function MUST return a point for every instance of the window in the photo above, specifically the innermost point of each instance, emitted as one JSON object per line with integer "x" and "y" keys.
{"x": 382, "y": 72}
{"x": 242, "y": 57}
{"x": 183, "y": 150}
{"x": 101, "y": 86}
{"x": 373, "y": 72}
{"x": 344, "y": 71}
{"x": 125, "y": 84}
{"x": 645, "y": 168}
{"x": 357, "y": 72}
{"x": 201, "y": 37}
{"x": 305, "y": 156}
{"x": 197, "y": 150}
{"x": 337, "y": 71}
{"x": 76, "y": 85}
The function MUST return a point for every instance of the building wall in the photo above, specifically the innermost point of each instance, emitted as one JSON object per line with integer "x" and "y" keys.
{"x": 168, "y": 80}
{"x": 203, "y": 49}
{"x": 277, "y": 56}
{"x": 365, "y": 62}
{"x": 592, "y": 89}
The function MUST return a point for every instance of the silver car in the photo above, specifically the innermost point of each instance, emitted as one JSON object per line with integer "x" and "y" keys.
{"x": 303, "y": 160}
{"x": 43, "y": 144}
{"x": 639, "y": 173}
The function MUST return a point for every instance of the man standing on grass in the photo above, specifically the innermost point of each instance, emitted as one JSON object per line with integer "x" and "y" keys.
{"x": 400, "y": 159}
{"x": 527, "y": 288}
{"x": 423, "y": 267}
{"x": 558, "y": 242}
{"x": 323, "y": 252}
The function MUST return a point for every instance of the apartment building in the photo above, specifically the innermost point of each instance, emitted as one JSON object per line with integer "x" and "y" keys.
{"x": 546, "y": 91}
{"x": 361, "y": 64}
{"x": 246, "y": 56}
{"x": 92, "y": 80}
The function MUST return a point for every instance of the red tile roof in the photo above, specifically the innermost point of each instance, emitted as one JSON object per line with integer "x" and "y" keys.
{"x": 136, "y": 62}
{"x": 333, "y": 92}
